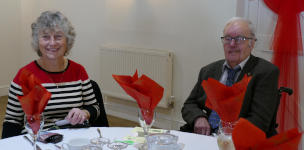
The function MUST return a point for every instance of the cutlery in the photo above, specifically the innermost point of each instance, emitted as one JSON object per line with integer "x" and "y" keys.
{"x": 27, "y": 138}
{"x": 99, "y": 132}
{"x": 57, "y": 146}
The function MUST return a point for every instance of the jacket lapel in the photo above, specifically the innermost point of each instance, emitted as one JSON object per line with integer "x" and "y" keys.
{"x": 248, "y": 68}
{"x": 217, "y": 71}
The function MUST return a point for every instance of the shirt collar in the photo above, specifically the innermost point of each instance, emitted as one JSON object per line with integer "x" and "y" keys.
{"x": 242, "y": 64}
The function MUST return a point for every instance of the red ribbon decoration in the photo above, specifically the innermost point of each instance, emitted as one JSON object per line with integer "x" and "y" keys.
{"x": 287, "y": 46}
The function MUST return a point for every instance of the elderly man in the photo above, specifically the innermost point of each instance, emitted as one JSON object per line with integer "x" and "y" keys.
{"x": 260, "y": 101}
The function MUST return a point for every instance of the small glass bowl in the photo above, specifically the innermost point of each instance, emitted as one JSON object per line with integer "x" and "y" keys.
{"x": 117, "y": 145}
{"x": 91, "y": 147}
{"x": 100, "y": 141}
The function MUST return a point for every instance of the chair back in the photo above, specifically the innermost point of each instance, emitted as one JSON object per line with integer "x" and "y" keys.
{"x": 102, "y": 120}
{"x": 280, "y": 91}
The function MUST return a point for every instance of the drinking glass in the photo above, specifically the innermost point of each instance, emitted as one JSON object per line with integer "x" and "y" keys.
{"x": 224, "y": 138}
{"x": 33, "y": 124}
{"x": 146, "y": 119}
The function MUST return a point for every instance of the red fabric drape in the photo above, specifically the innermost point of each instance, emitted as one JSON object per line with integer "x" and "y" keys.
{"x": 287, "y": 46}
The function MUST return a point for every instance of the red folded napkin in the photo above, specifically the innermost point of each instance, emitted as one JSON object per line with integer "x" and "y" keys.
{"x": 144, "y": 90}
{"x": 225, "y": 100}
{"x": 35, "y": 98}
{"x": 247, "y": 136}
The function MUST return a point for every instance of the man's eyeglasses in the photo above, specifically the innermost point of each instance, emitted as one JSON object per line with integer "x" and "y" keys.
{"x": 237, "y": 40}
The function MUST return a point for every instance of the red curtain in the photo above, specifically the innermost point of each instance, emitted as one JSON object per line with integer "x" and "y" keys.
{"x": 287, "y": 46}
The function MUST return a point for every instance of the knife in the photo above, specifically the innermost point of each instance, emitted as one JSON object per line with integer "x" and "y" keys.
{"x": 37, "y": 146}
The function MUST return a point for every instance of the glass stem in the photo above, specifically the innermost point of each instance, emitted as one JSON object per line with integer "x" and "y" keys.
{"x": 145, "y": 128}
{"x": 35, "y": 139}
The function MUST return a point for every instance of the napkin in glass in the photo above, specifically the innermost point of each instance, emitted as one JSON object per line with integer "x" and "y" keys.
{"x": 144, "y": 90}
{"x": 225, "y": 100}
{"x": 35, "y": 97}
{"x": 247, "y": 136}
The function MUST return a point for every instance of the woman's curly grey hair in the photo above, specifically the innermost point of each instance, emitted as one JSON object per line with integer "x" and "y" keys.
{"x": 50, "y": 20}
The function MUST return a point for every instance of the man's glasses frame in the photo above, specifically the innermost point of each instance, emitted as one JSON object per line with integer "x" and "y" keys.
{"x": 237, "y": 40}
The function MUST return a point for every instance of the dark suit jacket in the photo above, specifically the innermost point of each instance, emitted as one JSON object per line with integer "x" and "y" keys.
{"x": 260, "y": 101}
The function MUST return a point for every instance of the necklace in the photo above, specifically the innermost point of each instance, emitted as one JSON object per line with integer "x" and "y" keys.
{"x": 59, "y": 82}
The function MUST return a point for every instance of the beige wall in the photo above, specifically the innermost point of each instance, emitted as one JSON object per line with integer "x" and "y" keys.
{"x": 29, "y": 12}
{"x": 10, "y": 35}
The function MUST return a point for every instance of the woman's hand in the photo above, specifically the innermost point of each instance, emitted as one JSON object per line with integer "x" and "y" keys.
{"x": 77, "y": 116}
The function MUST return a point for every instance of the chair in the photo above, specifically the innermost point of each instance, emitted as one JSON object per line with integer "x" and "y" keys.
{"x": 280, "y": 91}
{"x": 102, "y": 120}
{"x": 274, "y": 119}
{"x": 286, "y": 90}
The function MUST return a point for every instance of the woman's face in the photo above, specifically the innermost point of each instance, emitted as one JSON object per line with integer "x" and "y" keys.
{"x": 52, "y": 44}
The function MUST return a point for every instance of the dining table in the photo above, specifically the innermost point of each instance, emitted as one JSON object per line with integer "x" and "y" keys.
{"x": 190, "y": 141}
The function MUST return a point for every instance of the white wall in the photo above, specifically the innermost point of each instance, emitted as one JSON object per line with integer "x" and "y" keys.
{"x": 10, "y": 42}
{"x": 191, "y": 29}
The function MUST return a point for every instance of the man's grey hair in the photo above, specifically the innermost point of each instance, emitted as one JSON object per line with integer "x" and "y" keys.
{"x": 50, "y": 20}
{"x": 250, "y": 25}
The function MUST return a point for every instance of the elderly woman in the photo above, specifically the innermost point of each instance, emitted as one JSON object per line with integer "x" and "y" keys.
{"x": 72, "y": 94}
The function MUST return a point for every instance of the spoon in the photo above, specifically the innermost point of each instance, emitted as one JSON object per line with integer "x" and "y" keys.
{"x": 99, "y": 132}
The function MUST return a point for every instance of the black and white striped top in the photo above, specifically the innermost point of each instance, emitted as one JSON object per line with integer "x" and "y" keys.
{"x": 70, "y": 89}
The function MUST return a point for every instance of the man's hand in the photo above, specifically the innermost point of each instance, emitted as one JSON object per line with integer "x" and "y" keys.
{"x": 201, "y": 126}
{"x": 77, "y": 116}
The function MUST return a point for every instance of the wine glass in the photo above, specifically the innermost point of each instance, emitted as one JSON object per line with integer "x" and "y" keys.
{"x": 146, "y": 119}
{"x": 224, "y": 138}
{"x": 33, "y": 124}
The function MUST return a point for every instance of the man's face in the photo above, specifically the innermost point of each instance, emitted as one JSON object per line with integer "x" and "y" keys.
{"x": 237, "y": 50}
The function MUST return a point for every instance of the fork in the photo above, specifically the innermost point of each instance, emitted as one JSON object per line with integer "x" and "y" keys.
{"x": 28, "y": 139}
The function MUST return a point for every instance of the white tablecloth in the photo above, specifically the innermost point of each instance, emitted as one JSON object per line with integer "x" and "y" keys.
{"x": 191, "y": 141}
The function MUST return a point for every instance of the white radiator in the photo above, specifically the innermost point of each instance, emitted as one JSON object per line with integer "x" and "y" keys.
{"x": 123, "y": 60}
